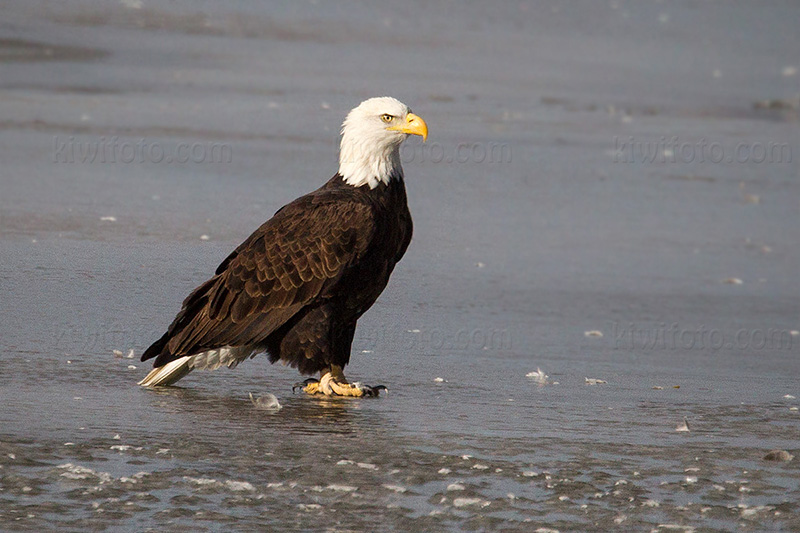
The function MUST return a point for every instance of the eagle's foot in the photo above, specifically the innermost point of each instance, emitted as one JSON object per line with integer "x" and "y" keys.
{"x": 333, "y": 383}
{"x": 357, "y": 390}
{"x": 309, "y": 386}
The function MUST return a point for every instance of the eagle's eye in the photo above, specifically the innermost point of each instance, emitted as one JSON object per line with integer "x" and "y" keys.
{"x": 386, "y": 117}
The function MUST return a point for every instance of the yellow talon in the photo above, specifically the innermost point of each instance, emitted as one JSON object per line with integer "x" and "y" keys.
{"x": 333, "y": 383}
{"x": 344, "y": 388}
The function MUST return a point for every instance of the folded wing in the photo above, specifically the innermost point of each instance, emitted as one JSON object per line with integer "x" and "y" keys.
{"x": 292, "y": 261}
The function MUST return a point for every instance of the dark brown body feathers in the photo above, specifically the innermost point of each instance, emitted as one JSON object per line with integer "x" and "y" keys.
{"x": 296, "y": 287}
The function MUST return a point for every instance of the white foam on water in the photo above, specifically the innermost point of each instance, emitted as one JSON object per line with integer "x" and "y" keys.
{"x": 76, "y": 472}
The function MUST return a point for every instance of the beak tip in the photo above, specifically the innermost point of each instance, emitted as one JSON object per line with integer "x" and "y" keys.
{"x": 414, "y": 126}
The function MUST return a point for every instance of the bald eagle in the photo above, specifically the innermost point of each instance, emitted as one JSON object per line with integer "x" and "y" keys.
{"x": 297, "y": 286}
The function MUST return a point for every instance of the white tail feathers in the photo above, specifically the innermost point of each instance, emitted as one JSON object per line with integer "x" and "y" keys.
{"x": 229, "y": 356}
{"x": 167, "y": 374}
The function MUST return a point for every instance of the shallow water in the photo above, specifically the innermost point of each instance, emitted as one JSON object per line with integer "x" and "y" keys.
{"x": 515, "y": 262}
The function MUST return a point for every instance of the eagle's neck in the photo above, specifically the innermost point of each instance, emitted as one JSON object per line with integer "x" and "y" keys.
{"x": 360, "y": 163}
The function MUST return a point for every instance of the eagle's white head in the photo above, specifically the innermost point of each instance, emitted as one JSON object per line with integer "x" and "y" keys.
{"x": 371, "y": 138}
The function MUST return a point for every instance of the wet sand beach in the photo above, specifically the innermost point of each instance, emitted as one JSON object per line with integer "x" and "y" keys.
{"x": 610, "y": 193}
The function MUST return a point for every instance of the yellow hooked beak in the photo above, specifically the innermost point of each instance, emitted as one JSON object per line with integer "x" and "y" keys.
{"x": 414, "y": 126}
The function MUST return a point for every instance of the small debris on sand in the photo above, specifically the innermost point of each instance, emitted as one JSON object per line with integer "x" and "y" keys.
{"x": 440, "y": 380}
{"x": 788, "y": 397}
{"x": 593, "y": 333}
{"x": 683, "y": 426}
{"x": 268, "y": 402}
{"x": 789, "y": 71}
{"x": 204, "y": 237}
{"x": 752, "y": 199}
{"x": 117, "y": 354}
{"x": 464, "y": 502}
{"x": 658, "y": 387}
{"x": 778, "y": 104}
{"x": 595, "y": 381}
{"x": 108, "y": 219}
{"x": 675, "y": 527}
{"x": 732, "y": 281}
{"x": 778, "y": 455}
{"x": 538, "y": 376}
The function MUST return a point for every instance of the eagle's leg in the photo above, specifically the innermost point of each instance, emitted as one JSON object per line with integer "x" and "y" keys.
{"x": 333, "y": 383}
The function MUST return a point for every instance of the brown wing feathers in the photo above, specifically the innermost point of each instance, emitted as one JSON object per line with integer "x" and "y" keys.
{"x": 285, "y": 265}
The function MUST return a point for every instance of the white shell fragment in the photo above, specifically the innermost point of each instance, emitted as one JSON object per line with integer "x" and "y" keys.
{"x": 464, "y": 502}
{"x": 594, "y": 381}
{"x": 593, "y": 333}
{"x": 539, "y": 376}
{"x": 683, "y": 426}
